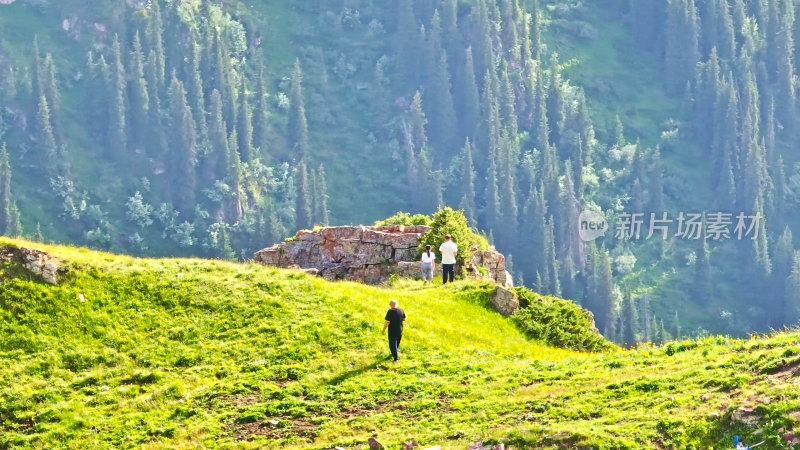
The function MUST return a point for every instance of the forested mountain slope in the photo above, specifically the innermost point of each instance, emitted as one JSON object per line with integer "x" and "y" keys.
{"x": 215, "y": 128}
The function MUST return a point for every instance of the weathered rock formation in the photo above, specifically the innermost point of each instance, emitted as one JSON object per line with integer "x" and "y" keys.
{"x": 36, "y": 261}
{"x": 504, "y": 301}
{"x": 370, "y": 255}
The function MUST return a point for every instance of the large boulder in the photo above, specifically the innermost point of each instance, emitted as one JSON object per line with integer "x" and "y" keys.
{"x": 36, "y": 261}
{"x": 504, "y": 301}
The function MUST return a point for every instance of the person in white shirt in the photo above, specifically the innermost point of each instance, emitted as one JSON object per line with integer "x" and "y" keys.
{"x": 449, "y": 250}
{"x": 428, "y": 260}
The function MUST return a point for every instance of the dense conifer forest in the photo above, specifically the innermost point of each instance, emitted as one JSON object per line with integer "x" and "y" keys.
{"x": 217, "y": 127}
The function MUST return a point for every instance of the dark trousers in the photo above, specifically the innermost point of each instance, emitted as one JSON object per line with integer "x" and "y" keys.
{"x": 448, "y": 270}
{"x": 394, "y": 344}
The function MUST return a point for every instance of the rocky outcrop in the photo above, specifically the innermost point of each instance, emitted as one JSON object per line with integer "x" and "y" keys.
{"x": 36, "y": 261}
{"x": 370, "y": 254}
{"x": 504, "y": 301}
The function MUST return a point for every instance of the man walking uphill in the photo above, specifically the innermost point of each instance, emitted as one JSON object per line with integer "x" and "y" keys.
{"x": 449, "y": 250}
{"x": 394, "y": 321}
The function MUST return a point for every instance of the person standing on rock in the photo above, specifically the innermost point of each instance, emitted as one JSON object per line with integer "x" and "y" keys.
{"x": 394, "y": 322}
{"x": 449, "y": 250}
{"x": 428, "y": 260}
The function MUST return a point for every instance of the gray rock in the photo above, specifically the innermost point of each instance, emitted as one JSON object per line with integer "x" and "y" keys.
{"x": 36, "y": 261}
{"x": 370, "y": 254}
{"x": 504, "y": 301}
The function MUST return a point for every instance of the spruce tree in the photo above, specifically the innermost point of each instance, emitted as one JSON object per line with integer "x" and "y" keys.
{"x": 50, "y": 90}
{"x": 468, "y": 185}
{"x": 244, "y": 124}
{"x": 154, "y": 34}
{"x": 48, "y": 150}
{"x": 783, "y": 257}
{"x": 153, "y": 92}
{"x": 482, "y": 45}
{"x": 535, "y": 32}
{"x": 194, "y": 88}
{"x": 469, "y": 98}
{"x": 216, "y": 162}
{"x": 572, "y": 248}
{"x": 553, "y": 284}
{"x": 600, "y": 288}
{"x": 629, "y": 320}
{"x": 702, "y": 288}
{"x": 533, "y": 244}
{"x": 555, "y": 103}
{"x": 183, "y": 148}
{"x": 36, "y": 78}
{"x": 298, "y": 127}
{"x": 303, "y": 198}
{"x": 408, "y": 41}
{"x": 540, "y": 131}
{"x": 491, "y": 212}
{"x": 117, "y": 140}
{"x": 682, "y": 44}
{"x": 453, "y": 44}
{"x": 140, "y": 100}
{"x": 260, "y": 126}
{"x": 646, "y": 319}
{"x": 793, "y": 288}
{"x": 321, "y": 213}
{"x": 5, "y": 189}
{"x": 234, "y": 209}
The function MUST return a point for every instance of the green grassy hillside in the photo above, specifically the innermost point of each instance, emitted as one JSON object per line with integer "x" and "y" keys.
{"x": 189, "y": 353}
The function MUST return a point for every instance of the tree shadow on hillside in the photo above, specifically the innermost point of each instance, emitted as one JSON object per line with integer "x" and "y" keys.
{"x": 338, "y": 379}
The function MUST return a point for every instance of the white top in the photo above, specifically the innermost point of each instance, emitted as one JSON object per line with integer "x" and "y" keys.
{"x": 448, "y": 250}
{"x": 428, "y": 259}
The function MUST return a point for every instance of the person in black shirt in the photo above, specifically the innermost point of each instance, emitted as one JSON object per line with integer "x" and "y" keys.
{"x": 394, "y": 322}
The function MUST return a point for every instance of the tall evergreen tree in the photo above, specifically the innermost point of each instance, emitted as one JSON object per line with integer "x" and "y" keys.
{"x": 5, "y": 189}
{"x": 468, "y": 185}
{"x": 194, "y": 88}
{"x": 535, "y": 32}
{"x": 540, "y": 130}
{"x": 600, "y": 288}
{"x": 298, "y": 127}
{"x": 155, "y": 40}
{"x": 793, "y": 302}
{"x": 139, "y": 96}
{"x": 682, "y": 44}
{"x": 50, "y": 90}
{"x": 183, "y": 148}
{"x": 438, "y": 98}
{"x": 469, "y": 98}
{"x": 482, "y": 45}
{"x": 216, "y": 161}
{"x": 408, "y": 41}
{"x": 783, "y": 258}
{"x": 629, "y": 320}
{"x": 244, "y": 124}
{"x": 48, "y": 150}
{"x": 320, "y": 210}
{"x": 303, "y": 198}
{"x": 117, "y": 140}
{"x": 555, "y": 103}
{"x": 36, "y": 78}
{"x": 260, "y": 126}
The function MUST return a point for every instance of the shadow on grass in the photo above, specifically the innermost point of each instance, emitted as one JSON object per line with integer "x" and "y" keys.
{"x": 357, "y": 371}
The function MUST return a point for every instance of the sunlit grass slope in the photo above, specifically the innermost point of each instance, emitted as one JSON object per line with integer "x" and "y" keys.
{"x": 189, "y": 353}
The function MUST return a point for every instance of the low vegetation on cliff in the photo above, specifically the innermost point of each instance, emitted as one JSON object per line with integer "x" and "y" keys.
{"x": 178, "y": 353}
